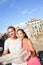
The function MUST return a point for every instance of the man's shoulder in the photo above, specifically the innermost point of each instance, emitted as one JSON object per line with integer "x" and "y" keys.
{"x": 7, "y": 40}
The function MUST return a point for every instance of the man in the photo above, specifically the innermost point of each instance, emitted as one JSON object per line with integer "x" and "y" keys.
{"x": 12, "y": 43}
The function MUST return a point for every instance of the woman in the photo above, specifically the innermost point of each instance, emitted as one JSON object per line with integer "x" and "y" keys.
{"x": 27, "y": 44}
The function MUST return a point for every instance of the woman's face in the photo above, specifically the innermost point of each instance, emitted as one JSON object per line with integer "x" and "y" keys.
{"x": 20, "y": 34}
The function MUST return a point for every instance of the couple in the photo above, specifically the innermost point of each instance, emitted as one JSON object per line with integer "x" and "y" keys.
{"x": 19, "y": 40}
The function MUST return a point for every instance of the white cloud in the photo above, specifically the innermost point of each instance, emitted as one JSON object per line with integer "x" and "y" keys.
{"x": 24, "y": 11}
{"x": 22, "y": 23}
{"x": 2, "y": 1}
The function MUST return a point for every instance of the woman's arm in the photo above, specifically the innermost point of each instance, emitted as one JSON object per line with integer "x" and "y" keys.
{"x": 28, "y": 43}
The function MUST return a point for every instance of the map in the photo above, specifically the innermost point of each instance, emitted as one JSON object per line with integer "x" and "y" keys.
{"x": 18, "y": 58}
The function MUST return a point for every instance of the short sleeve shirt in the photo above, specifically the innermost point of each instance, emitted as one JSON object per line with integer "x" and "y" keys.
{"x": 12, "y": 45}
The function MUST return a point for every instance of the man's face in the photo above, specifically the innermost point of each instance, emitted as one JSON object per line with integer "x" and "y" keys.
{"x": 11, "y": 33}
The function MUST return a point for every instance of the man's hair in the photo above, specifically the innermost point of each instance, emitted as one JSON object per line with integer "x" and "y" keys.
{"x": 11, "y": 27}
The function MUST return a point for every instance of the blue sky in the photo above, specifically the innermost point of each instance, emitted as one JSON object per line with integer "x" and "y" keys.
{"x": 13, "y": 12}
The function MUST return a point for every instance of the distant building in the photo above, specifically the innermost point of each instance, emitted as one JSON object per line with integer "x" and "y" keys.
{"x": 32, "y": 28}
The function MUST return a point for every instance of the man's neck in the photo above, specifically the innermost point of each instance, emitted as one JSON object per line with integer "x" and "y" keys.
{"x": 13, "y": 38}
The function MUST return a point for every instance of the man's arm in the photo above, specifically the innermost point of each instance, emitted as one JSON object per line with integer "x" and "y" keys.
{"x": 5, "y": 52}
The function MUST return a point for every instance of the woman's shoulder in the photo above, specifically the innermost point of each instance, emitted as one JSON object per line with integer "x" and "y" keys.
{"x": 25, "y": 40}
{"x": 28, "y": 41}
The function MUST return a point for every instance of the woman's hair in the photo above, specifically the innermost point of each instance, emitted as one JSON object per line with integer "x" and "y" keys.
{"x": 25, "y": 35}
{"x": 11, "y": 27}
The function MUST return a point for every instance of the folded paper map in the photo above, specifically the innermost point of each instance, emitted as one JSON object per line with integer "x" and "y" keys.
{"x": 18, "y": 58}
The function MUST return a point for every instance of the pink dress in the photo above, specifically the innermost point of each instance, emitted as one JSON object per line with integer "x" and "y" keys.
{"x": 32, "y": 60}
